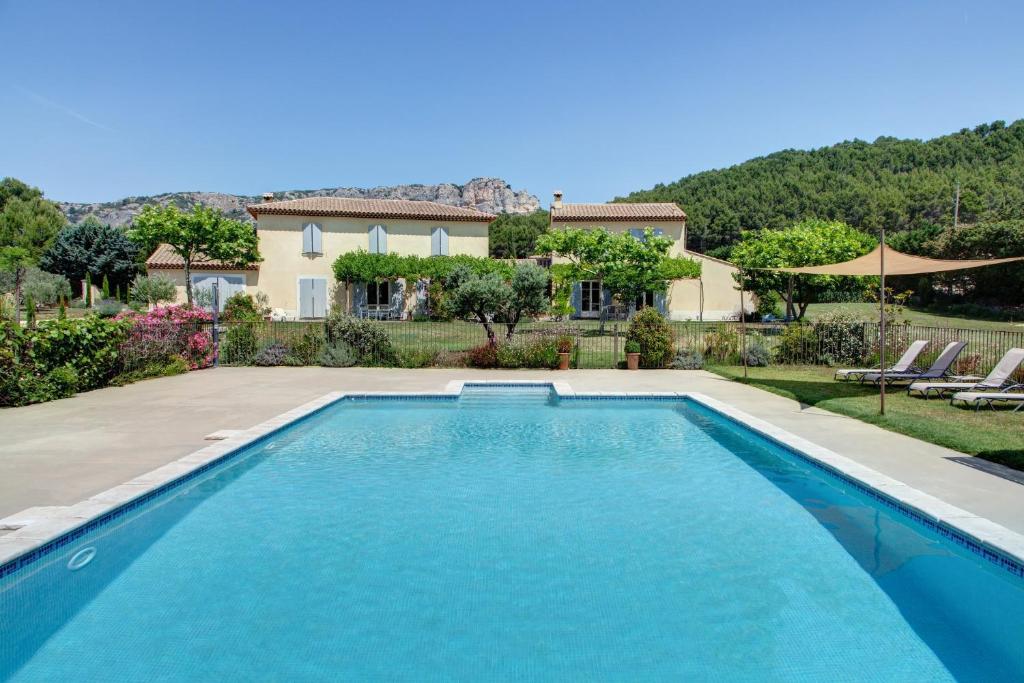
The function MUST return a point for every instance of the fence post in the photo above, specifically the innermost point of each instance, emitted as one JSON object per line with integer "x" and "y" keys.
{"x": 615, "y": 346}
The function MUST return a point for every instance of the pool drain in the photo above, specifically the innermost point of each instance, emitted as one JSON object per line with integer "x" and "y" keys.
{"x": 81, "y": 558}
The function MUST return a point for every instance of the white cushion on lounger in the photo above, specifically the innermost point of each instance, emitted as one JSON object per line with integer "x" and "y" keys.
{"x": 973, "y": 396}
{"x": 937, "y": 386}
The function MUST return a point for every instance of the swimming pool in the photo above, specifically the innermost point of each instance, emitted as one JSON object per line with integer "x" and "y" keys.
{"x": 510, "y": 534}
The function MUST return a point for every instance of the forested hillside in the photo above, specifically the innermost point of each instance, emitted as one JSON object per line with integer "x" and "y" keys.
{"x": 901, "y": 184}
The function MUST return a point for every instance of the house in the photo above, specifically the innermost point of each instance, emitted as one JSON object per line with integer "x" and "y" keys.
{"x": 712, "y": 297}
{"x": 299, "y": 240}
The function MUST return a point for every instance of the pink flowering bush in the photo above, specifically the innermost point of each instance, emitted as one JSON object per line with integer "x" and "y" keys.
{"x": 168, "y": 331}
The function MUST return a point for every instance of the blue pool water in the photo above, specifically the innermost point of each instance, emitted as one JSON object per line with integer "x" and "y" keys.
{"x": 510, "y": 536}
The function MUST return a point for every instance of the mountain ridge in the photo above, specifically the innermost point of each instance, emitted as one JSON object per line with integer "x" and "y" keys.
{"x": 492, "y": 195}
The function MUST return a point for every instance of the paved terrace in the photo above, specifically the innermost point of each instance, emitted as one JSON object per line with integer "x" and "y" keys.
{"x": 62, "y": 452}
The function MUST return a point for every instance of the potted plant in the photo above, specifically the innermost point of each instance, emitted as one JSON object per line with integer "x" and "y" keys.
{"x": 632, "y": 355}
{"x": 564, "y": 346}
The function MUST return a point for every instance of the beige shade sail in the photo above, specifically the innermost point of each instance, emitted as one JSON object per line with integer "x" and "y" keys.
{"x": 896, "y": 263}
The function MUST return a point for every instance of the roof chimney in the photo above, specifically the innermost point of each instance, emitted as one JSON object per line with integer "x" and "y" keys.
{"x": 557, "y": 204}
{"x": 268, "y": 196}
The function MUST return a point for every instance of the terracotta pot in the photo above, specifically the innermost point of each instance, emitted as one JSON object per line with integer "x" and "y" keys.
{"x": 563, "y": 361}
{"x": 632, "y": 361}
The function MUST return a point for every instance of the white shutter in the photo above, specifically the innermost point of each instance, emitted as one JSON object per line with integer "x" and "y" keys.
{"x": 307, "y": 238}
{"x": 319, "y": 298}
{"x": 444, "y": 241}
{"x": 435, "y": 242}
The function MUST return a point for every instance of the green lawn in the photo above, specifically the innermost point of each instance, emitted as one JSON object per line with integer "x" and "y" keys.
{"x": 870, "y": 311}
{"x": 996, "y": 435}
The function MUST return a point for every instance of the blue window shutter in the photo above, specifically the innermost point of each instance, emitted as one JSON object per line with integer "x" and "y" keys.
{"x": 638, "y": 233}
{"x": 382, "y": 239}
{"x": 577, "y": 298}
{"x": 660, "y": 302}
{"x": 317, "y": 238}
{"x": 658, "y": 232}
{"x": 358, "y": 296}
{"x": 319, "y": 298}
{"x": 444, "y": 241}
{"x": 435, "y": 242}
{"x": 307, "y": 238}
{"x": 372, "y": 232}
{"x": 606, "y": 296}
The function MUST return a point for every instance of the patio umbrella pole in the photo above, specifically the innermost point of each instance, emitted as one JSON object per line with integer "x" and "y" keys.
{"x": 881, "y": 325}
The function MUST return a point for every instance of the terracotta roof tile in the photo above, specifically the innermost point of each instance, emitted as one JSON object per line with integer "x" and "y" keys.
{"x": 164, "y": 257}
{"x": 369, "y": 208}
{"x": 665, "y": 211}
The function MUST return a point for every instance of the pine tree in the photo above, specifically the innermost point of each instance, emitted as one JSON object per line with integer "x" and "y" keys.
{"x": 106, "y": 288}
{"x": 88, "y": 290}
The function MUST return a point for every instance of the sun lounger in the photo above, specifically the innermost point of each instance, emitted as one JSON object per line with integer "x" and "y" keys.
{"x": 904, "y": 364}
{"x": 994, "y": 381}
{"x": 939, "y": 369}
{"x": 1011, "y": 394}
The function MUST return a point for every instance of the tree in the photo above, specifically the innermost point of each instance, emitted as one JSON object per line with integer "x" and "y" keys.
{"x": 625, "y": 265}
{"x": 204, "y": 234}
{"x": 493, "y": 299}
{"x": 515, "y": 235}
{"x": 153, "y": 289}
{"x": 808, "y": 243}
{"x": 91, "y": 247}
{"x": 898, "y": 184}
{"x": 28, "y": 225}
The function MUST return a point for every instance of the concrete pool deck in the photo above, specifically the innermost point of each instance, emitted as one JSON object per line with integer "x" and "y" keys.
{"x": 63, "y": 452}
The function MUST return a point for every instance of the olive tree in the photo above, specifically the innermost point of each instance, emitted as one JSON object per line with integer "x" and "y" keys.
{"x": 492, "y": 299}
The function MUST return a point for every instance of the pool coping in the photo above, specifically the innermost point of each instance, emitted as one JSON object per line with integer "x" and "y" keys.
{"x": 36, "y": 532}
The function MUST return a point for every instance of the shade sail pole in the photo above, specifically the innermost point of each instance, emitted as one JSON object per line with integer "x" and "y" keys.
{"x": 881, "y": 325}
{"x": 743, "y": 328}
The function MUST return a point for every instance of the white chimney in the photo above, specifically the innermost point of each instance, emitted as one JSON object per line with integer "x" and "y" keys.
{"x": 557, "y": 204}
{"x": 268, "y": 196}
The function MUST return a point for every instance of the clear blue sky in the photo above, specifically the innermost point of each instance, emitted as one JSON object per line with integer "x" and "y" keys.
{"x": 101, "y": 100}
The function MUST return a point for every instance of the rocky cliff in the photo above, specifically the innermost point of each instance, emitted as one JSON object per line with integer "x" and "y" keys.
{"x": 492, "y": 195}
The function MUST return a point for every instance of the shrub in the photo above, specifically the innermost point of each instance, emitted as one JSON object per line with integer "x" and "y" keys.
{"x": 416, "y": 358}
{"x": 632, "y": 346}
{"x": 240, "y": 346}
{"x": 798, "y": 344}
{"x": 756, "y": 353}
{"x": 337, "y": 355}
{"x": 165, "y": 332}
{"x": 483, "y": 356}
{"x": 272, "y": 355}
{"x": 841, "y": 338}
{"x": 535, "y": 352}
{"x": 176, "y": 365}
{"x": 721, "y": 345}
{"x": 91, "y": 346}
{"x": 153, "y": 290}
{"x": 108, "y": 309}
{"x": 368, "y": 339}
{"x": 564, "y": 344}
{"x": 306, "y": 351}
{"x": 688, "y": 359}
{"x": 241, "y": 307}
{"x": 650, "y": 330}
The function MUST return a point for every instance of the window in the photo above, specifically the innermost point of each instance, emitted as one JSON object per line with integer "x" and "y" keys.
{"x": 378, "y": 294}
{"x": 590, "y": 297}
{"x": 639, "y": 233}
{"x": 312, "y": 239}
{"x": 378, "y": 239}
{"x": 227, "y": 285}
{"x": 644, "y": 300}
{"x": 439, "y": 242}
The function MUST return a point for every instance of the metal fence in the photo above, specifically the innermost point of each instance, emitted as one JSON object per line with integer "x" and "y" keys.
{"x": 447, "y": 344}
